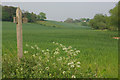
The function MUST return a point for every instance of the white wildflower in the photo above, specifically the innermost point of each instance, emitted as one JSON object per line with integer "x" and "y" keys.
{"x": 43, "y": 51}
{"x": 78, "y": 63}
{"x": 47, "y": 60}
{"x": 64, "y": 48}
{"x": 73, "y": 76}
{"x": 74, "y": 48}
{"x": 47, "y": 68}
{"x": 60, "y": 59}
{"x": 40, "y": 71}
{"x": 70, "y": 63}
{"x": 56, "y": 43}
{"x": 69, "y": 47}
{"x": 78, "y": 51}
{"x": 32, "y": 47}
{"x": 57, "y": 49}
{"x": 25, "y": 52}
{"x": 48, "y": 50}
{"x": 37, "y": 48}
{"x": 40, "y": 57}
{"x": 61, "y": 45}
{"x": 74, "y": 54}
{"x": 63, "y": 72}
{"x": 72, "y": 66}
{"x": 53, "y": 42}
{"x": 27, "y": 45}
{"x": 21, "y": 69}
{"x": 71, "y": 50}
{"x": 33, "y": 55}
{"x": 56, "y": 52}
{"x": 53, "y": 63}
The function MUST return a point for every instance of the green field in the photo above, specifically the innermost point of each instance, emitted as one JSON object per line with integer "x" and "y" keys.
{"x": 98, "y": 50}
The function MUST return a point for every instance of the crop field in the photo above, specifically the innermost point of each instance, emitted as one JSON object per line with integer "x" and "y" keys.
{"x": 68, "y": 51}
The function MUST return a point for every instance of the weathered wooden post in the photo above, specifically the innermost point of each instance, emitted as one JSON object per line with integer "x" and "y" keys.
{"x": 19, "y": 33}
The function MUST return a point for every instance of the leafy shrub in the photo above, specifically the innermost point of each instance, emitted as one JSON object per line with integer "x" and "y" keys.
{"x": 62, "y": 62}
{"x": 113, "y": 28}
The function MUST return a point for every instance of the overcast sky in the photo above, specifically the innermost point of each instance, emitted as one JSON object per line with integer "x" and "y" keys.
{"x": 60, "y": 11}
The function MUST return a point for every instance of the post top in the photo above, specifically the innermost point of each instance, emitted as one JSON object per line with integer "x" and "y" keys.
{"x": 18, "y": 12}
{"x": 18, "y": 9}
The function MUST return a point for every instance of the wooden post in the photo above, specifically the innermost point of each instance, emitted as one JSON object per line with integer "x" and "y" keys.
{"x": 19, "y": 33}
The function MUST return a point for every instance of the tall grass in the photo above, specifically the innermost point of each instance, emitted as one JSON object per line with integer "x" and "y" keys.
{"x": 98, "y": 51}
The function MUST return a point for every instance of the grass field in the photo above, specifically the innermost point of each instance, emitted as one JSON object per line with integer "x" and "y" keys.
{"x": 98, "y": 51}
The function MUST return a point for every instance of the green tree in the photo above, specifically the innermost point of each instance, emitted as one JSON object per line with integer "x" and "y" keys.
{"x": 31, "y": 16}
{"x": 41, "y": 16}
{"x": 114, "y": 17}
{"x": 69, "y": 20}
{"x": 8, "y": 13}
{"x": 98, "y": 22}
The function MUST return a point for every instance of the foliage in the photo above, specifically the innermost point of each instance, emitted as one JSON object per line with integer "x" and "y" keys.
{"x": 81, "y": 21}
{"x": 41, "y": 16}
{"x": 8, "y": 12}
{"x": 101, "y": 21}
{"x": 31, "y": 16}
{"x": 113, "y": 19}
{"x": 69, "y": 20}
{"x": 38, "y": 63}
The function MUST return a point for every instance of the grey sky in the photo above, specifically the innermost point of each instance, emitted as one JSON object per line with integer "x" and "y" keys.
{"x": 60, "y": 11}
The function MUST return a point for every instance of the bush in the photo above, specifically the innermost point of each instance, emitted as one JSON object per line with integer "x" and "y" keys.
{"x": 62, "y": 62}
{"x": 113, "y": 28}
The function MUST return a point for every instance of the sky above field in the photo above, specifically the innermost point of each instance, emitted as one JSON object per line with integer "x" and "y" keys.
{"x": 60, "y": 11}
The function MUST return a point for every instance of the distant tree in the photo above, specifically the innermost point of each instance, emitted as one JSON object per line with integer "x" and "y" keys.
{"x": 76, "y": 21}
{"x": 101, "y": 21}
{"x": 87, "y": 20}
{"x": 31, "y": 16}
{"x": 69, "y": 20}
{"x": 98, "y": 22}
{"x": 8, "y": 12}
{"x": 27, "y": 15}
{"x": 114, "y": 16}
{"x": 83, "y": 19}
{"x": 41, "y": 16}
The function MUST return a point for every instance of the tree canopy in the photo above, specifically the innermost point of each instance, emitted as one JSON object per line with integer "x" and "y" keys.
{"x": 8, "y": 12}
{"x": 42, "y": 16}
{"x": 101, "y": 21}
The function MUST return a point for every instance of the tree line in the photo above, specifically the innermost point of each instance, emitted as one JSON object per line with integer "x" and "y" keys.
{"x": 8, "y": 12}
{"x": 82, "y": 21}
{"x": 101, "y": 21}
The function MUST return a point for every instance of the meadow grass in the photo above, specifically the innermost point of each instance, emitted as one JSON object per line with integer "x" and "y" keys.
{"x": 98, "y": 51}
